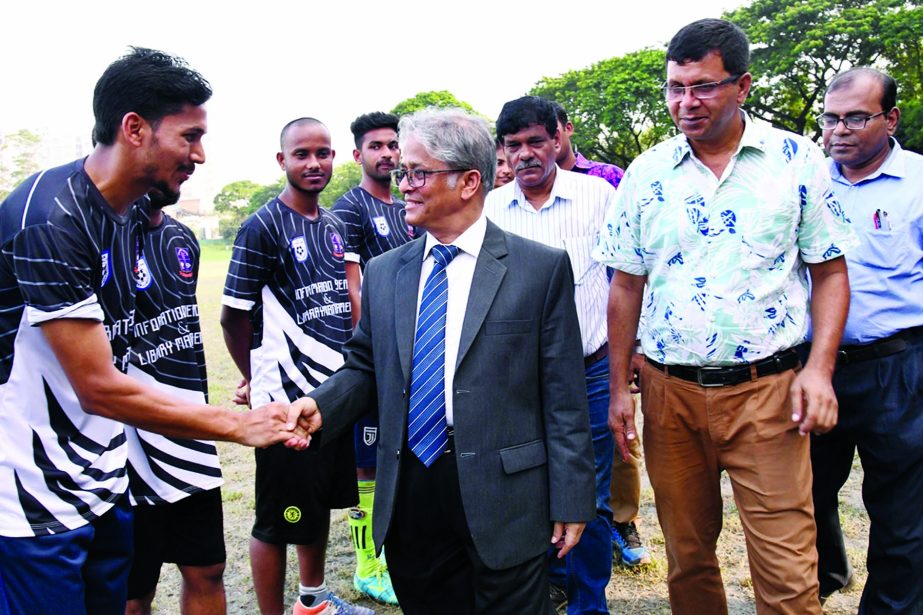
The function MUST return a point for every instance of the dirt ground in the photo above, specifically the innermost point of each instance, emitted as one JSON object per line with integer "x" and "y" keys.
{"x": 629, "y": 592}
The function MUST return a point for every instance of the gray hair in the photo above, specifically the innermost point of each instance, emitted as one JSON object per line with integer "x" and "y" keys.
{"x": 455, "y": 137}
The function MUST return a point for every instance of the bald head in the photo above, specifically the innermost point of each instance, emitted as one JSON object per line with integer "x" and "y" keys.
{"x": 302, "y": 121}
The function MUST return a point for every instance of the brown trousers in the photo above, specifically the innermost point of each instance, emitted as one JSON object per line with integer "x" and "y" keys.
{"x": 691, "y": 434}
{"x": 625, "y": 486}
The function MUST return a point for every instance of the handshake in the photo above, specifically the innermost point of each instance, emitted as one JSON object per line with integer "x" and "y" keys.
{"x": 291, "y": 424}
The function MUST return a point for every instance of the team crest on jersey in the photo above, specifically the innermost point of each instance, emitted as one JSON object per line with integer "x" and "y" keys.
{"x": 369, "y": 435}
{"x": 106, "y": 269}
{"x": 381, "y": 226}
{"x": 185, "y": 262}
{"x": 337, "y": 243}
{"x": 300, "y": 248}
{"x": 142, "y": 274}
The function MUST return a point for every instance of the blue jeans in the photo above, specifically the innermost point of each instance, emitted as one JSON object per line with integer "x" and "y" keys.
{"x": 585, "y": 571}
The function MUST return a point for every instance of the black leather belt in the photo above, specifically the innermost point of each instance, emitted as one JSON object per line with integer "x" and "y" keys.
{"x": 884, "y": 347}
{"x": 590, "y": 359}
{"x": 722, "y": 376}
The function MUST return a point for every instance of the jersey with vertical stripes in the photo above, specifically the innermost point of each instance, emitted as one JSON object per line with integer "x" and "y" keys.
{"x": 64, "y": 253}
{"x": 372, "y": 226}
{"x": 168, "y": 354}
{"x": 289, "y": 273}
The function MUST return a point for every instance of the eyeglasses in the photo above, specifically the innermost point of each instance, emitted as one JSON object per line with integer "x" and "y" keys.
{"x": 829, "y": 121}
{"x": 417, "y": 177}
{"x": 701, "y": 91}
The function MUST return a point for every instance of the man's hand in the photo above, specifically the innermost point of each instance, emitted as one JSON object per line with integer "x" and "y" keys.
{"x": 242, "y": 393}
{"x": 273, "y": 423}
{"x": 622, "y": 420}
{"x": 565, "y": 536}
{"x": 307, "y": 415}
{"x": 637, "y": 362}
{"x": 814, "y": 405}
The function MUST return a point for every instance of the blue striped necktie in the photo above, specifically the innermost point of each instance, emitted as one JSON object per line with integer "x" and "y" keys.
{"x": 426, "y": 423}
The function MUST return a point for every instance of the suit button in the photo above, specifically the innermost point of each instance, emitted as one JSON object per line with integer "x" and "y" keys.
{"x": 398, "y": 455}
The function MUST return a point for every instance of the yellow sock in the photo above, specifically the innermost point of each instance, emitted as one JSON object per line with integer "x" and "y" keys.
{"x": 360, "y": 525}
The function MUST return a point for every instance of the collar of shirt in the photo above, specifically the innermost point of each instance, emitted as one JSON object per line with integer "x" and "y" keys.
{"x": 894, "y": 166}
{"x": 754, "y": 136}
{"x": 563, "y": 189}
{"x": 468, "y": 242}
{"x": 581, "y": 162}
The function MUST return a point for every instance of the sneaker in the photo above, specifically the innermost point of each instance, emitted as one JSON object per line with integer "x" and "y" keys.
{"x": 341, "y": 607}
{"x": 627, "y": 542}
{"x": 323, "y": 608}
{"x": 377, "y": 585}
{"x": 558, "y": 598}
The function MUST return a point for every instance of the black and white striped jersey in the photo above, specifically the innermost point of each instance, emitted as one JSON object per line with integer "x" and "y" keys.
{"x": 168, "y": 354}
{"x": 64, "y": 253}
{"x": 372, "y": 226}
{"x": 289, "y": 272}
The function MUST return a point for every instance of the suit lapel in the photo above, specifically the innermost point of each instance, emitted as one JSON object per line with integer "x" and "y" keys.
{"x": 488, "y": 275}
{"x": 406, "y": 287}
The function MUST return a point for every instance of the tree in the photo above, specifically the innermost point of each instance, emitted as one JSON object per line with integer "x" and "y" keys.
{"x": 239, "y": 199}
{"x": 799, "y": 45}
{"x": 232, "y": 203}
{"x": 345, "y": 177}
{"x": 616, "y": 105}
{"x": 18, "y": 159}
{"x": 440, "y": 98}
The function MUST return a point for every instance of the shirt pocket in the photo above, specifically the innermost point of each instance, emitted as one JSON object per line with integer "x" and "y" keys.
{"x": 579, "y": 250}
{"x": 887, "y": 250}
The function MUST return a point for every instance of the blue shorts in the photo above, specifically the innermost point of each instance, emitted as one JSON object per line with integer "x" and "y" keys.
{"x": 79, "y": 572}
{"x": 366, "y": 441}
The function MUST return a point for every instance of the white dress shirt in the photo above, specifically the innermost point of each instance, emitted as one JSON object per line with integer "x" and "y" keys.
{"x": 570, "y": 219}
{"x": 459, "y": 274}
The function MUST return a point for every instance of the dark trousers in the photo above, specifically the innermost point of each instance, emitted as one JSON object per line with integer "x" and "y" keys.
{"x": 433, "y": 564}
{"x": 881, "y": 415}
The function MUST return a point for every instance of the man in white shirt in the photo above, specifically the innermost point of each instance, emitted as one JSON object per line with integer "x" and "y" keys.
{"x": 565, "y": 210}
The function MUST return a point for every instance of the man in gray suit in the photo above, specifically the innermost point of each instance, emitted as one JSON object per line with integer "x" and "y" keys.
{"x": 469, "y": 342}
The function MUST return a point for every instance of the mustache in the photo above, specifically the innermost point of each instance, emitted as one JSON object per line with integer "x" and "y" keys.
{"x": 528, "y": 165}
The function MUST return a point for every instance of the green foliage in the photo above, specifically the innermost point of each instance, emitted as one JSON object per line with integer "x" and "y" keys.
{"x": 345, "y": 177}
{"x": 233, "y": 204}
{"x": 239, "y": 199}
{"x": 616, "y": 105}
{"x": 439, "y": 98}
{"x": 20, "y": 149}
{"x": 799, "y": 45}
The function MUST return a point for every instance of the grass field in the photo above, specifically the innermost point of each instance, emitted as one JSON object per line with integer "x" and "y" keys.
{"x": 630, "y": 591}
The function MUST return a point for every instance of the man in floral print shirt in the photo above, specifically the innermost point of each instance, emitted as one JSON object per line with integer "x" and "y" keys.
{"x": 723, "y": 222}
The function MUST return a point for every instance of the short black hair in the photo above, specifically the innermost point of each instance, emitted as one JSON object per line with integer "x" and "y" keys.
{"x": 887, "y": 82}
{"x": 523, "y": 112}
{"x": 696, "y": 40}
{"x": 296, "y": 122}
{"x": 151, "y": 83}
{"x": 368, "y": 122}
{"x": 560, "y": 113}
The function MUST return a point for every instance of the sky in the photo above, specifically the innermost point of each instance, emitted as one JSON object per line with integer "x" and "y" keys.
{"x": 275, "y": 60}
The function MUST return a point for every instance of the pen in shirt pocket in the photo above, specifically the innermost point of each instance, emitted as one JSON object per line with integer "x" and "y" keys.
{"x": 880, "y": 220}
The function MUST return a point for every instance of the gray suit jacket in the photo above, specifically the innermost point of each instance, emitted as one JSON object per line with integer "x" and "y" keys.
{"x": 522, "y": 435}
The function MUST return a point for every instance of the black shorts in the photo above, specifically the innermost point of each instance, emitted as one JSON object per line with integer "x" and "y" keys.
{"x": 189, "y": 532}
{"x": 295, "y": 490}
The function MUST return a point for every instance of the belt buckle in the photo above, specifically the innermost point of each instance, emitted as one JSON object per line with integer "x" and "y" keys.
{"x": 842, "y": 357}
{"x": 708, "y": 368}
